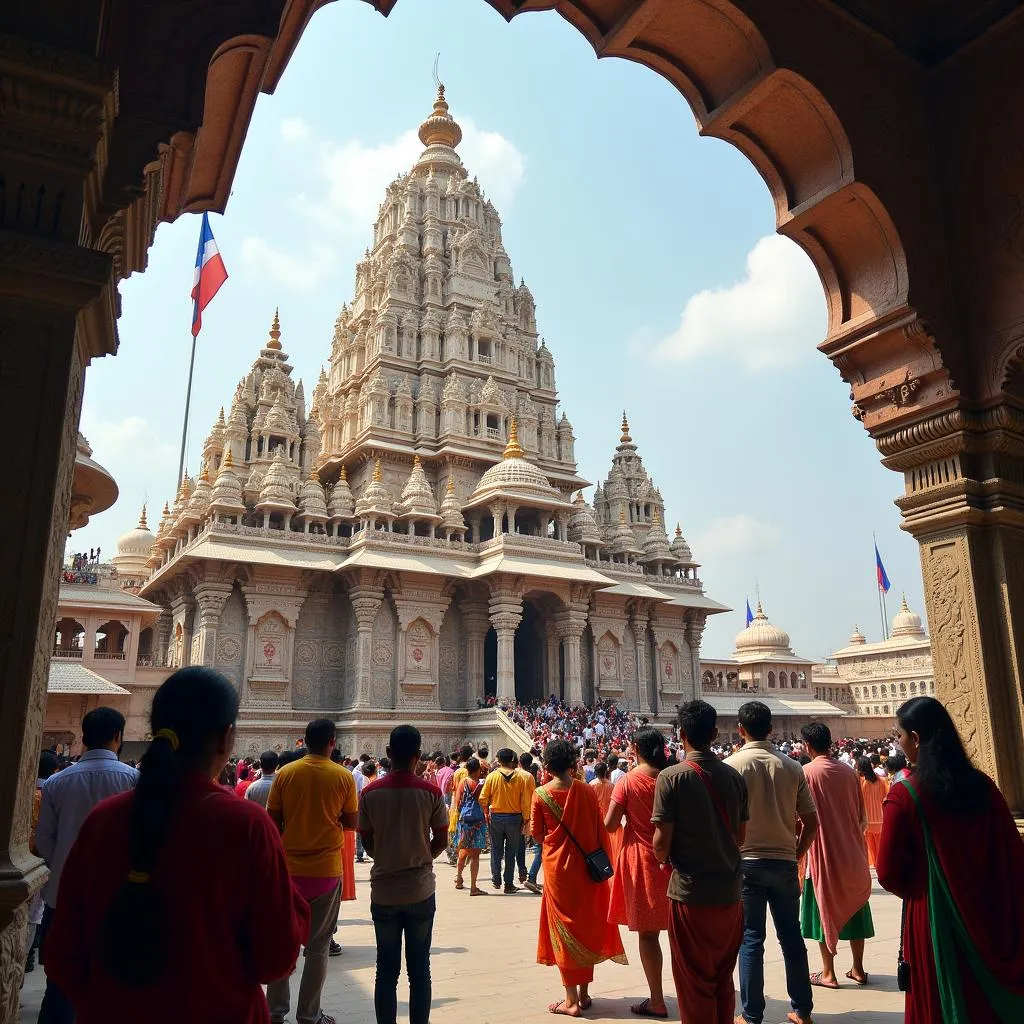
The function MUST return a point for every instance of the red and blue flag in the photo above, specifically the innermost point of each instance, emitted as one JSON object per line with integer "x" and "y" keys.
{"x": 883, "y": 580}
{"x": 210, "y": 274}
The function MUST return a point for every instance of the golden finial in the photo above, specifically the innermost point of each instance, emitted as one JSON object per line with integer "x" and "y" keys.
{"x": 579, "y": 498}
{"x": 415, "y": 461}
{"x": 657, "y": 516}
{"x": 625, "y": 439}
{"x": 679, "y": 530}
{"x": 512, "y": 449}
{"x": 142, "y": 518}
{"x": 275, "y": 332}
{"x": 344, "y": 474}
{"x": 440, "y": 128}
{"x": 377, "y": 475}
{"x": 204, "y": 472}
{"x": 220, "y": 417}
{"x": 167, "y": 508}
{"x": 186, "y": 489}
{"x": 228, "y": 461}
{"x": 451, "y": 484}
{"x": 622, "y": 513}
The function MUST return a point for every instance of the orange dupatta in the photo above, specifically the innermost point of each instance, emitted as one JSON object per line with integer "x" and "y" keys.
{"x": 574, "y": 930}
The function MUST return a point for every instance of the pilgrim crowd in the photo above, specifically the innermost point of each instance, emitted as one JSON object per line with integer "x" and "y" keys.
{"x": 608, "y": 821}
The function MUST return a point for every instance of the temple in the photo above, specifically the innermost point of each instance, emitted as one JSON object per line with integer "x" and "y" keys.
{"x": 416, "y": 538}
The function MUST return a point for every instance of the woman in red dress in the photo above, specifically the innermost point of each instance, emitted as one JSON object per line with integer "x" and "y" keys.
{"x": 155, "y": 922}
{"x": 640, "y": 884}
{"x": 950, "y": 850}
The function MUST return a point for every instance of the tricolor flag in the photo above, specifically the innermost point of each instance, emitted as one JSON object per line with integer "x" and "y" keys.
{"x": 209, "y": 276}
{"x": 750, "y": 614}
{"x": 883, "y": 580}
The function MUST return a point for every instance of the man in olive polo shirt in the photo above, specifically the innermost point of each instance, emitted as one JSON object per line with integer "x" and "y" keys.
{"x": 313, "y": 801}
{"x": 700, "y": 815}
{"x": 779, "y": 797}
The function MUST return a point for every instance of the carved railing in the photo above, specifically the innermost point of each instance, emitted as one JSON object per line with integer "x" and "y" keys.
{"x": 110, "y": 656}
{"x": 67, "y": 652}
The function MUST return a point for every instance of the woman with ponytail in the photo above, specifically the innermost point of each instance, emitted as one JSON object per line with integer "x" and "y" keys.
{"x": 154, "y": 922}
{"x": 950, "y": 850}
{"x": 640, "y": 885}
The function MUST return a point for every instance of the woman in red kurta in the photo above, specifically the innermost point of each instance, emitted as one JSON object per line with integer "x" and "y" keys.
{"x": 640, "y": 884}
{"x": 977, "y": 855}
{"x": 574, "y": 932}
{"x": 155, "y": 922}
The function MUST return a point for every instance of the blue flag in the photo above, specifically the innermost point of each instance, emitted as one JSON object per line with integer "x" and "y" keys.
{"x": 750, "y": 614}
{"x": 883, "y": 580}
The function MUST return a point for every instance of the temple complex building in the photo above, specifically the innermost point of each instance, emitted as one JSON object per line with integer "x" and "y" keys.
{"x": 880, "y": 676}
{"x": 764, "y": 667}
{"x": 414, "y": 537}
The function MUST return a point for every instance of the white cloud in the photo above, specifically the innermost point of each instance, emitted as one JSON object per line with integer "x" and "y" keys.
{"x": 773, "y": 316}
{"x": 295, "y": 129}
{"x": 740, "y": 534}
{"x": 301, "y": 271}
{"x": 356, "y": 174}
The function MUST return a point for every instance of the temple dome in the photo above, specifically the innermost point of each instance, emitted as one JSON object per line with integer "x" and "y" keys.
{"x": 761, "y": 634}
{"x": 656, "y": 547}
{"x": 417, "y": 498}
{"x": 583, "y": 527}
{"x": 515, "y": 476}
{"x": 226, "y": 495}
{"x": 276, "y": 492}
{"x": 136, "y": 542}
{"x": 680, "y": 549}
{"x": 376, "y": 499}
{"x": 451, "y": 510}
{"x": 905, "y": 622}
{"x": 623, "y": 542}
{"x": 341, "y": 504}
{"x": 312, "y": 500}
{"x": 857, "y": 637}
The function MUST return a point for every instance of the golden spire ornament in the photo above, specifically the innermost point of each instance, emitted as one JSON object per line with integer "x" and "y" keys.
{"x": 513, "y": 449}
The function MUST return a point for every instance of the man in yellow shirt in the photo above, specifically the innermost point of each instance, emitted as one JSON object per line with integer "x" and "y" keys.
{"x": 506, "y": 803}
{"x": 313, "y": 801}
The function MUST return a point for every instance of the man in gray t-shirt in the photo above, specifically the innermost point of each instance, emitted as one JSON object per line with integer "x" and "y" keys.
{"x": 404, "y": 826}
{"x": 260, "y": 789}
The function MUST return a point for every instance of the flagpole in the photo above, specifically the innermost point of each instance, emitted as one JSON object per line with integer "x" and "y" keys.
{"x": 881, "y": 592}
{"x": 885, "y": 616}
{"x": 188, "y": 402}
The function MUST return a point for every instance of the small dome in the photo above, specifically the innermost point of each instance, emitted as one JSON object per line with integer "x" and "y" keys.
{"x": 226, "y": 495}
{"x": 417, "y": 497}
{"x": 656, "y": 547}
{"x": 376, "y": 499}
{"x": 857, "y": 637}
{"x": 515, "y": 474}
{"x": 342, "y": 504}
{"x": 623, "y": 542}
{"x": 136, "y": 542}
{"x": 440, "y": 129}
{"x": 761, "y": 634}
{"x": 680, "y": 549}
{"x": 312, "y": 500}
{"x": 583, "y": 526}
{"x": 276, "y": 492}
{"x": 905, "y": 622}
{"x": 451, "y": 509}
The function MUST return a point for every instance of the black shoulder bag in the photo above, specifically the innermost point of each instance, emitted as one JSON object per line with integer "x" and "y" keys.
{"x": 902, "y": 967}
{"x": 598, "y": 863}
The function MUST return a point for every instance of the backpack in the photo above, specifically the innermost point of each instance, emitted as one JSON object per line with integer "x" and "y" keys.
{"x": 470, "y": 811}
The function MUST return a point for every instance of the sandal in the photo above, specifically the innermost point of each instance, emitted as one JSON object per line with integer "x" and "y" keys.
{"x": 459, "y": 884}
{"x": 477, "y": 892}
{"x": 559, "y": 1008}
{"x": 643, "y": 1009}
{"x": 816, "y": 980}
{"x": 858, "y": 981}
{"x": 586, "y": 1004}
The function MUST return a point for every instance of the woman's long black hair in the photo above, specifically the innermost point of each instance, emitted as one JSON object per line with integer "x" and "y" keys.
{"x": 942, "y": 769}
{"x": 650, "y": 746}
{"x": 190, "y": 711}
{"x": 865, "y": 769}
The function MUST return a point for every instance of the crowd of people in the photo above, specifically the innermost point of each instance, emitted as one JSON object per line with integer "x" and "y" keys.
{"x": 146, "y": 915}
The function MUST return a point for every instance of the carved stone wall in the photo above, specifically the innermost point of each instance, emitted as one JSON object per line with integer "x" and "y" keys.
{"x": 452, "y": 661}
{"x": 229, "y": 657}
{"x": 383, "y": 656}
{"x": 318, "y": 667}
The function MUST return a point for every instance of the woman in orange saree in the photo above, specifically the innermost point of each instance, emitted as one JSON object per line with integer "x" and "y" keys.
{"x": 574, "y": 932}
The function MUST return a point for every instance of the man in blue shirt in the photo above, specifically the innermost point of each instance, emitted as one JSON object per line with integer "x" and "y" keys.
{"x": 67, "y": 799}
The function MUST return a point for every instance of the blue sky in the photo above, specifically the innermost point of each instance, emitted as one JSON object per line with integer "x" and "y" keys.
{"x": 660, "y": 286}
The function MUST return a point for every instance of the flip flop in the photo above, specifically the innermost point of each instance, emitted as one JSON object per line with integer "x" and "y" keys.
{"x": 858, "y": 981}
{"x": 459, "y": 884}
{"x": 480, "y": 892}
{"x": 643, "y": 1009}
{"x": 816, "y": 980}
{"x": 558, "y": 1008}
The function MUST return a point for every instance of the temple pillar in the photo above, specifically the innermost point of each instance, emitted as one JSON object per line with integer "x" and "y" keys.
{"x": 162, "y": 638}
{"x": 210, "y": 601}
{"x": 553, "y": 643}
{"x": 695, "y": 622}
{"x": 365, "y": 604}
{"x": 506, "y": 608}
{"x": 475, "y": 623}
{"x": 182, "y": 619}
{"x": 965, "y": 506}
{"x": 59, "y": 305}
{"x": 571, "y": 629}
{"x": 638, "y": 627}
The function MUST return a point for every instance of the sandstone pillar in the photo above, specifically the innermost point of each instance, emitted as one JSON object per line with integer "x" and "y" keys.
{"x": 553, "y": 661}
{"x": 638, "y": 626}
{"x": 571, "y": 629}
{"x": 59, "y": 303}
{"x": 506, "y": 608}
{"x": 695, "y": 622}
{"x": 475, "y": 623}
{"x": 365, "y": 604}
{"x": 210, "y": 598}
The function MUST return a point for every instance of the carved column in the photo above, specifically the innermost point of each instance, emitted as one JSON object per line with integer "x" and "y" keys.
{"x": 365, "y": 604}
{"x": 162, "y": 639}
{"x": 506, "y": 608}
{"x": 182, "y": 618}
{"x": 59, "y": 303}
{"x": 571, "y": 628}
{"x": 638, "y": 626}
{"x": 695, "y": 622}
{"x": 553, "y": 642}
{"x": 475, "y": 623}
{"x": 210, "y": 599}
{"x": 964, "y": 503}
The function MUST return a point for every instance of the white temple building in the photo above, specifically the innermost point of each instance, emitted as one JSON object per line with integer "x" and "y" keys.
{"x": 414, "y": 537}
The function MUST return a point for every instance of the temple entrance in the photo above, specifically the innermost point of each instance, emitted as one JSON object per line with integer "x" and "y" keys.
{"x": 530, "y": 649}
{"x": 491, "y": 663}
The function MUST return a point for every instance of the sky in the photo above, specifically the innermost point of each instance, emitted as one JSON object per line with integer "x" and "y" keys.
{"x": 661, "y": 289}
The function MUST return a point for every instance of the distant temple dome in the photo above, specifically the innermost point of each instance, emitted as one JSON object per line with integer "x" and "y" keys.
{"x": 138, "y": 541}
{"x": 905, "y": 622}
{"x": 761, "y": 634}
{"x": 857, "y": 637}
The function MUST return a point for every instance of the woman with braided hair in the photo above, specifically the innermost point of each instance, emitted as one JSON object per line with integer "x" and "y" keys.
{"x": 155, "y": 922}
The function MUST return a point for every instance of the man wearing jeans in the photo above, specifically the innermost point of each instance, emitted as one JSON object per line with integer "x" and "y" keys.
{"x": 505, "y": 799}
{"x": 404, "y": 826}
{"x": 313, "y": 801}
{"x": 778, "y": 796}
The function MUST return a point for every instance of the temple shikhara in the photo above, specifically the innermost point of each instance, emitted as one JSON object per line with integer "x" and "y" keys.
{"x": 412, "y": 536}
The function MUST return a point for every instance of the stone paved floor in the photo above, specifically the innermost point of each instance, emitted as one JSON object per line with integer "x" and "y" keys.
{"x": 484, "y": 970}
